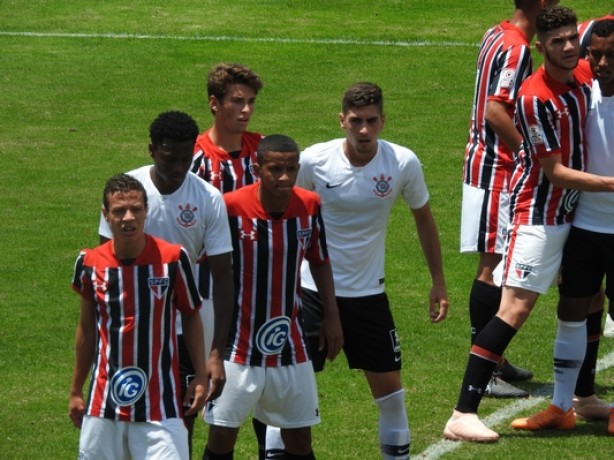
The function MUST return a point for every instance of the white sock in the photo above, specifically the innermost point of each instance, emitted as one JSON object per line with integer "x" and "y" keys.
{"x": 394, "y": 435}
{"x": 274, "y": 446}
{"x": 569, "y": 351}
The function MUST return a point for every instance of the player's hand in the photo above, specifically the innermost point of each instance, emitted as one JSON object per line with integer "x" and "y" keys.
{"x": 331, "y": 335}
{"x": 216, "y": 375}
{"x": 438, "y": 303}
{"x": 76, "y": 410}
{"x": 195, "y": 395}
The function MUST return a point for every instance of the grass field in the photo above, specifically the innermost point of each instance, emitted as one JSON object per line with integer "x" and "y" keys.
{"x": 80, "y": 84}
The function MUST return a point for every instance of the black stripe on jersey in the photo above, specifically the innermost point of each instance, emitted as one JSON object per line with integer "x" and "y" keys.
{"x": 262, "y": 267}
{"x": 142, "y": 334}
{"x": 114, "y": 310}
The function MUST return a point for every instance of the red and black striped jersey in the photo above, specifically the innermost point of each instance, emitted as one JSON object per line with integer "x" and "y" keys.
{"x": 266, "y": 330}
{"x": 551, "y": 117}
{"x": 135, "y": 374}
{"x": 225, "y": 172}
{"x": 504, "y": 62}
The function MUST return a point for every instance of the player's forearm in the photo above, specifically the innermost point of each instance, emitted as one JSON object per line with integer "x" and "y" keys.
{"x": 431, "y": 247}
{"x": 223, "y": 304}
{"x": 84, "y": 357}
{"x": 193, "y": 336}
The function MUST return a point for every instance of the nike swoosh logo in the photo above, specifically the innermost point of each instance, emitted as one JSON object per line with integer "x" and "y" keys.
{"x": 329, "y": 185}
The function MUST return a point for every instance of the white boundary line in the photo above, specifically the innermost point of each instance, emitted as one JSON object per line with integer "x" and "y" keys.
{"x": 229, "y": 38}
{"x": 445, "y": 446}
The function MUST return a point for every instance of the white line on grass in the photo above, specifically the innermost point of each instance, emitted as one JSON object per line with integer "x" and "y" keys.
{"x": 229, "y": 38}
{"x": 445, "y": 446}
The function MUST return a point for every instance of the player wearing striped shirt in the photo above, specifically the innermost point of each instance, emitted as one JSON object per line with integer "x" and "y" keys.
{"x": 504, "y": 62}
{"x": 274, "y": 226}
{"x": 131, "y": 288}
{"x": 552, "y": 108}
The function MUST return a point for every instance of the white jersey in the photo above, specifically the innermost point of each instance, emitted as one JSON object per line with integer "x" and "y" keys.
{"x": 594, "y": 211}
{"x": 193, "y": 216}
{"x": 356, "y": 204}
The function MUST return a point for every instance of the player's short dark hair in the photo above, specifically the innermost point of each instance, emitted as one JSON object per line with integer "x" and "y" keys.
{"x": 275, "y": 143}
{"x": 362, "y": 94}
{"x": 552, "y": 18}
{"x": 122, "y": 183}
{"x": 173, "y": 125}
{"x": 603, "y": 28}
{"x": 225, "y": 74}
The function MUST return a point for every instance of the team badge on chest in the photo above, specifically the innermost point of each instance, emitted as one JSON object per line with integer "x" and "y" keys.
{"x": 187, "y": 217}
{"x": 158, "y": 286}
{"x": 382, "y": 188}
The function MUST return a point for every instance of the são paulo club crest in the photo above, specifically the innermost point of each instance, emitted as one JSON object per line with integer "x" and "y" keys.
{"x": 272, "y": 335}
{"x": 382, "y": 185}
{"x": 186, "y": 217}
{"x": 128, "y": 385}
{"x": 158, "y": 286}
{"x": 303, "y": 235}
{"x": 523, "y": 270}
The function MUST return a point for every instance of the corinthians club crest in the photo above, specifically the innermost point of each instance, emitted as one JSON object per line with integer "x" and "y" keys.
{"x": 186, "y": 217}
{"x": 382, "y": 188}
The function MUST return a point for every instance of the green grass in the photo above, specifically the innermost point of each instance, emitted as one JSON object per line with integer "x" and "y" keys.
{"x": 76, "y": 109}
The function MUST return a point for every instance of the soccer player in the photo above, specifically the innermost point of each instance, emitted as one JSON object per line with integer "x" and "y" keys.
{"x": 551, "y": 108}
{"x": 588, "y": 254}
{"x": 185, "y": 210}
{"x": 504, "y": 62}
{"x": 359, "y": 178}
{"x": 131, "y": 288}
{"x": 274, "y": 226}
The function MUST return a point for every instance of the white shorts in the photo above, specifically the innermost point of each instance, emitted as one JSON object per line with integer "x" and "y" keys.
{"x": 533, "y": 257}
{"x": 484, "y": 220}
{"x": 285, "y": 396}
{"x": 105, "y": 439}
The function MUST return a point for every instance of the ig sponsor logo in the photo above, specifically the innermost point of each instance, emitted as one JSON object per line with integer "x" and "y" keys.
{"x": 273, "y": 334}
{"x": 128, "y": 385}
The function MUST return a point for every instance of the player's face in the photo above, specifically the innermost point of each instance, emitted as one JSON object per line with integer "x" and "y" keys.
{"x": 172, "y": 160}
{"x": 561, "y": 48}
{"x": 126, "y": 214}
{"x": 234, "y": 111}
{"x": 362, "y": 126}
{"x": 601, "y": 57}
{"x": 278, "y": 172}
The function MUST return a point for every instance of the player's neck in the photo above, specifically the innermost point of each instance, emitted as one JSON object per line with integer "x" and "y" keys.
{"x": 559, "y": 74}
{"x": 129, "y": 248}
{"x": 227, "y": 140}
{"x": 524, "y": 23}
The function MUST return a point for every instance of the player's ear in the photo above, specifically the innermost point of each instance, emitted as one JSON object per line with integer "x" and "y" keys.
{"x": 341, "y": 119}
{"x": 104, "y": 213}
{"x": 151, "y": 148}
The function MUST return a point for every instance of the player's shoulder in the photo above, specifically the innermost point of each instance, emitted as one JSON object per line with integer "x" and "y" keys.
{"x": 321, "y": 149}
{"x": 141, "y": 173}
{"x": 201, "y": 186}
{"x": 307, "y": 196}
{"x": 241, "y": 194}
{"x": 396, "y": 152}
{"x": 169, "y": 251}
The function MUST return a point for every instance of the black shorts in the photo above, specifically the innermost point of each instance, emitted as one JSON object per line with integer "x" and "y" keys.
{"x": 370, "y": 338}
{"x": 186, "y": 370}
{"x": 587, "y": 258}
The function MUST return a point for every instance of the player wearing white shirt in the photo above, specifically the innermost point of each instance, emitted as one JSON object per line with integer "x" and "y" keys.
{"x": 358, "y": 179}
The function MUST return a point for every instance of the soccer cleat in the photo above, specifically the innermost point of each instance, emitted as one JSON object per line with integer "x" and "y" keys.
{"x": 591, "y": 408}
{"x": 608, "y": 328}
{"x": 611, "y": 422}
{"x": 510, "y": 373}
{"x": 551, "y": 418}
{"x": 498, "y": 388}
{"x": 468, "y": 427}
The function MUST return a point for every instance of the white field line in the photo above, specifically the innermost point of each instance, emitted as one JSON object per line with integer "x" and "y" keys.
{"x": 229, "y": 38}
{"x": 504, "y": 414}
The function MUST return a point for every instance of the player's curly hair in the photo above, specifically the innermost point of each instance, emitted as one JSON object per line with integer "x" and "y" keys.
{"x": 122, "y": 183}
{"x": 225, "y": 74}
{"x": 362, "y": 94}
{"x": 552, "y": 18}
{"x": 173, "y": 125}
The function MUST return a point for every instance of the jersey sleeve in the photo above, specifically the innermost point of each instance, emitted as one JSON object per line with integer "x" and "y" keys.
{"x": 305, "y": 172}
{"x": 81, "y": 281}
{"x": 186, "y": 296}
{"x": 537, "y": 126}
{"x": 317, "y": 252}
{"x": 217, "y": 235}
{"x": 515, "y": 66}
{"x": 414, "y": 192}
